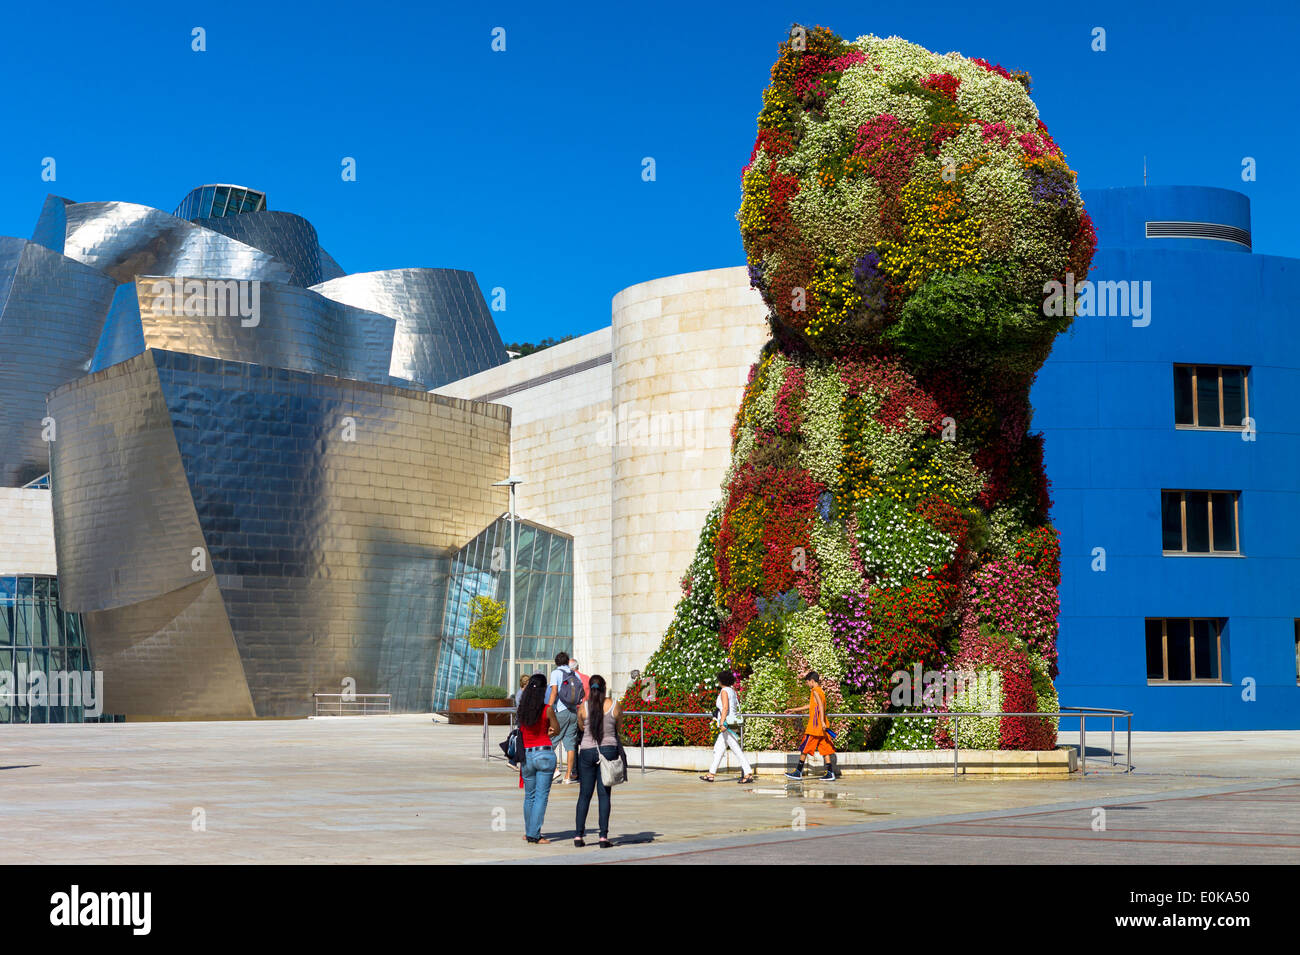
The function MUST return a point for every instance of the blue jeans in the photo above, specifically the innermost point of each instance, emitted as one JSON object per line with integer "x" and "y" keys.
{"x": 589, "y": 776}
{"x": 539, "y": 765}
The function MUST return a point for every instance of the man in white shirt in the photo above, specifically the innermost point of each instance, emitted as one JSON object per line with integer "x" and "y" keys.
{"x": 565, "y": 716}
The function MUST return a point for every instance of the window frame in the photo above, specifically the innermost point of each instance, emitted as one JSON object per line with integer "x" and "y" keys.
{"x": 1217, "y": 622}
{"x": 1196, "y": 397}
{"x": 1182, "y": 512}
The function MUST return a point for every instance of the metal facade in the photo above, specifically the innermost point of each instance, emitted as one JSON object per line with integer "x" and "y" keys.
{"x": 245, "y": 513}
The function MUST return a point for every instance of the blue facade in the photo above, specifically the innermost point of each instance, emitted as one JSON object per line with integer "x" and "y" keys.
{"x": 1106, "y": 403}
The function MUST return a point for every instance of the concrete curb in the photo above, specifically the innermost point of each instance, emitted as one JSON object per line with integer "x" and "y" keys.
{"x": 696, "y": 759}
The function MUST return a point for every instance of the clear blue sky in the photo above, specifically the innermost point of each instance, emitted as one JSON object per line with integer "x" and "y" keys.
{"x": 525, "y": 166}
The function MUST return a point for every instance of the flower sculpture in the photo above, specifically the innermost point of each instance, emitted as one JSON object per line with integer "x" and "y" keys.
{"x": 886, "y": 508}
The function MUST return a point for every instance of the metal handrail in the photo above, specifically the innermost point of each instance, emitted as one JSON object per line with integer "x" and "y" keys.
{"x": 487, "y": 711}
{"x": 361, "y": 703}
{"x": 1083, "y": 712}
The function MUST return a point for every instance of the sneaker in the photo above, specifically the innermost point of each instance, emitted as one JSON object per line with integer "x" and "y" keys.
{"x": 830, "y": 777}
{"x": 794, "y": 775}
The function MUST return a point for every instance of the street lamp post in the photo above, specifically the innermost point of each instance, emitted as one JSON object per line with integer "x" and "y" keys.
{"x": 511, "y": 482}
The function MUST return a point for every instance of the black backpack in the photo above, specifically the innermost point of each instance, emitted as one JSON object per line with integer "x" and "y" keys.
{"x": 513, "y": 747}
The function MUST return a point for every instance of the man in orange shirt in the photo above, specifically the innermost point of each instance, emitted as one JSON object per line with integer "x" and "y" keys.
{"x": 818, "y": 735}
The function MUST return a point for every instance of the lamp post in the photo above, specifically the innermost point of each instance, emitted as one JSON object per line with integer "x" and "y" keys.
{"x": 511, "y": 482}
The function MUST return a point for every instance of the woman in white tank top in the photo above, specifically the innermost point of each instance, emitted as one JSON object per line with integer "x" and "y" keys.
{"x": 728, "y": 722}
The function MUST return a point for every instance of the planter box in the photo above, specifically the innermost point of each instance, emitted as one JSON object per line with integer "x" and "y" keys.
{"x": 457, "y": 712}
{"x": 696, "y": 759}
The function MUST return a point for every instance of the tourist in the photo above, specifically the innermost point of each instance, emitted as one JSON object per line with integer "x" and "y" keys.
{"x": 523, "y": 682}
{"x": 586, "y": 680}
{"x": 598, "y": 721}
{"x": 536, "y": 724}
{"x": 564, "y": 695}
{"x": 728, "y": 720}
{"x": 818, "y": 735}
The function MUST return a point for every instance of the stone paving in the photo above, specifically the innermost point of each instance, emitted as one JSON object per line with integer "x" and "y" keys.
{"x": 406, "y": 789}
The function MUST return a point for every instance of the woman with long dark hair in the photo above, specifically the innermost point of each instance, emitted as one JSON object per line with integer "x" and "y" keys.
{"x": 536, "y": 724}
{"x": 598, "y": 725}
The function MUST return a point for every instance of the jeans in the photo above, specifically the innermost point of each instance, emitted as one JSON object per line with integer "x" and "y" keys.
{"x": 589, "y": 777}
{"x": 539, "y": 764}
{"x": 727, "y": 740}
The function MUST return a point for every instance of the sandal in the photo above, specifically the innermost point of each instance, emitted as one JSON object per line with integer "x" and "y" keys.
{"x": 579, "y": 843}
{"x": 746, "y": 779}
{"x": 606, "y": 844}
{"x": 708, "y": 779}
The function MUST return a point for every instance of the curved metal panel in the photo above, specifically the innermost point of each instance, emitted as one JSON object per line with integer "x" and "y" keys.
{"x": 294, "y": 328}
{"x": 125, "y": 529}
{"x": 51, "y": 311}
{"x": 328, "y": 510}
{"x": 444, "y": 329}
{"x": 124, "y": 240}
{"x": 122, "y": 336}
{"x": 173, "y": 656}
{"x": 290, "y": 238}
{"x": 52, "y": 225}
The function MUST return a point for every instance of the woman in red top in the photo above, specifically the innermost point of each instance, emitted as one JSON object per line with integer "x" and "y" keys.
{"x": 537, "y": 723}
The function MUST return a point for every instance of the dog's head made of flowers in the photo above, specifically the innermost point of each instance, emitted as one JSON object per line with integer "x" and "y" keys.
{"x": 907, "y": 202}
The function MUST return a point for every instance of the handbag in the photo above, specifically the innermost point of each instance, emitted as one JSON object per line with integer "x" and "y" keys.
{"x": 612, "y": 771}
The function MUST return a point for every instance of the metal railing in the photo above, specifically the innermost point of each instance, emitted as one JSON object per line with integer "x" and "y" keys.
{"x": 353, "y": 704}
{"x": 1082, "y": 712}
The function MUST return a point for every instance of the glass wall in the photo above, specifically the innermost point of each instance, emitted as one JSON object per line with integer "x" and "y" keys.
{"x": 217, "y": 201}
{"x": 544, "y": 601}
{"x": 37, "y": 636}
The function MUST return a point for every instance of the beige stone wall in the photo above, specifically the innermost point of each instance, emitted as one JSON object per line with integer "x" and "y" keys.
{"x": 26, "y": 532}
{"x": 556, "y": 447}
{"x": 682, "y": 348}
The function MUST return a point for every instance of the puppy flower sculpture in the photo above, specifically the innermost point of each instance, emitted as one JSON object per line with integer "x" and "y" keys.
{"x": 884, "y": 519}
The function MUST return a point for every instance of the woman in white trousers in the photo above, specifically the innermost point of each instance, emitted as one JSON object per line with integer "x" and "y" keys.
{"x": 728, "y": 703}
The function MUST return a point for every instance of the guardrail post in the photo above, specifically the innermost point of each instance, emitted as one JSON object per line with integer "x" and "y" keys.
{"x": 956, "y": 742}
{"x": 1128, "y": 746}
{"x": 643, "y": 745}
{"x": 1083, "y": 744}
{"x": 1112, "y": 741}
{"x": 485, "y": 734}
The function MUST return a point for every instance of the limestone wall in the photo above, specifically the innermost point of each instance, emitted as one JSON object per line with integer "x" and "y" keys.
{"x": 682, "y": 349}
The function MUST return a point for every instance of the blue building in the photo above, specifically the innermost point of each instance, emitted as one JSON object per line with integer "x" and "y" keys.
{"x": 1174, "y": 458}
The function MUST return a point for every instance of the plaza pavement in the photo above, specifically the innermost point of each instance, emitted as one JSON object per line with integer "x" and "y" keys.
{"x": 404, "y": 789}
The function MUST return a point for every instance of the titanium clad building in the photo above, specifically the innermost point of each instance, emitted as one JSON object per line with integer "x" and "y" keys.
{"x": 252, "y": 497}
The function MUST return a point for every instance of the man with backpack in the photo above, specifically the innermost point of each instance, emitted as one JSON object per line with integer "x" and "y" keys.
{"x": 565, "y": 693}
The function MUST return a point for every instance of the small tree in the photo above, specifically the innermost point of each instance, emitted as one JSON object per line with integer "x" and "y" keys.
{"x": 485, "y": 618}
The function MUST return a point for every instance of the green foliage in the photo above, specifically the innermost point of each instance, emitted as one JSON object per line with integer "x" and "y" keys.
{"x": 485, "y": 618}
{"x": 481, "y": 691}
{"x": 912, "y": 732}
{"x": 771, "y": 688}
{"x": 975, "y": 313}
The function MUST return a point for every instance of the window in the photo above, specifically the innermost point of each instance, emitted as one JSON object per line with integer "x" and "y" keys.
{"x": 1184, "y": 650}
{"x": 1211, "y": 396}
{"x": 1200, "y": 522}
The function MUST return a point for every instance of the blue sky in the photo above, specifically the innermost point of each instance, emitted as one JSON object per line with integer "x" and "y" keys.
{"x": 525, "y": 166}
